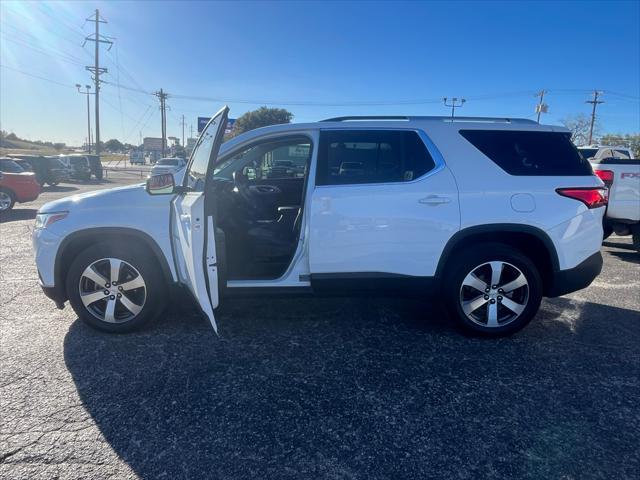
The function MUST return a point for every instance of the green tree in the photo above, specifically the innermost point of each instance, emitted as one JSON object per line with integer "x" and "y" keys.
{"x": 629, "y": 140}
{"x": 262, "y": 117}
{"x": 113, "y": 145}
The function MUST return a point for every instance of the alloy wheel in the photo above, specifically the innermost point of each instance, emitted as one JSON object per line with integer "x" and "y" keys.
{"x": 5, "y": 201}
{"x": 112, "y": 290}
{"x": 494, "y": 294}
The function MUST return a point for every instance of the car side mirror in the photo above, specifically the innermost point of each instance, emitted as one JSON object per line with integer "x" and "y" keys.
{"x": 162, "y": 184}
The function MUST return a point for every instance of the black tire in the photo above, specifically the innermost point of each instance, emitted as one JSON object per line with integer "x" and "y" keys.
{"x": 142, "y": 261}
{"x": 466, "y": 262}
{"x": 635, "y": 235}
{"x": 608, "y": 231}
{"x": 12, "y": 199}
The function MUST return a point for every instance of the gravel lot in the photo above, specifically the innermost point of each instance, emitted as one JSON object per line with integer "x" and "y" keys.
{"x": 317, "y": 388}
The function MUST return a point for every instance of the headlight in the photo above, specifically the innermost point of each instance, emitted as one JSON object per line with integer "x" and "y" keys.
{"x": 43, "y": 220}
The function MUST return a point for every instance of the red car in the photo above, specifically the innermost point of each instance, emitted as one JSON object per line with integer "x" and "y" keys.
{"x": 16, "y": 185}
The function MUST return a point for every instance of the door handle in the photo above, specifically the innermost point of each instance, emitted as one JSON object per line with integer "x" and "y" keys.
{"x": 434, "y": 200}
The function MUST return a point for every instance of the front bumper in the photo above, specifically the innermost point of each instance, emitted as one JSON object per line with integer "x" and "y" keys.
{"x": 576, "y": 278}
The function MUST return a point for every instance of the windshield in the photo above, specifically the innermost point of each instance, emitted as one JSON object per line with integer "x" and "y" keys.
{"x": 285, "y": 158}
{"x": 9, "y": 166}
{"x": 168, "y": 161}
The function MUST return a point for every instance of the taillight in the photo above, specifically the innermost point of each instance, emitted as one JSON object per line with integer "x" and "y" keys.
{"x": 606, "y": 176}
{"x": 591, "y": 197}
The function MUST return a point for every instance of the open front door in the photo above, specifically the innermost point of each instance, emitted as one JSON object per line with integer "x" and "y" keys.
{"x": 192, "y": 229}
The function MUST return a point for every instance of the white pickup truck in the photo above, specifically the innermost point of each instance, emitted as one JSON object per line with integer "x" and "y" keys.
{"x": 620, "y": 171}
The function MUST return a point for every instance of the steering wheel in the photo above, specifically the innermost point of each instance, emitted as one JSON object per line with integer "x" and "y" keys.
{"x": 241, "y": 188}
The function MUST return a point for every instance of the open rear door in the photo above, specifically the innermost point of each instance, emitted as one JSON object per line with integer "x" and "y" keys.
{"x": 192, "y": 231}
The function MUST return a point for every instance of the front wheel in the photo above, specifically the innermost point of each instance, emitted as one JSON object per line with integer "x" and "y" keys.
{"x": 115, "y": 288}
{"x": 493, "y": 290}
{"x": 7, "y": 200}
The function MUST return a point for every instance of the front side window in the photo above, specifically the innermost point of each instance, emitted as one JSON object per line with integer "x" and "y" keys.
{"x": 371, "y": 156}
{"x": 199, "y": 162}
{"x": 530, "y": 153}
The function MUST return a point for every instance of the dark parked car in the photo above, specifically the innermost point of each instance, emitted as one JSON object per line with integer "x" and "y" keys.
{"x": 78, "y": 166}
{"x": 47, "y": 169}
{"x": 96, "y": 166}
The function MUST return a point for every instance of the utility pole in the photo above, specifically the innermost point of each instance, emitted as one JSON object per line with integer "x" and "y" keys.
{"x": 162, "y": 96}
{"x": 541, "y": 107}
{"x": 595, "y": 102}
{"x": 182, "y": 123}
{"x": 191, "y": 127}
{"x": 87, "y": 93}
{"x": 454, "y": 103}
{"x": 96, "y": 69}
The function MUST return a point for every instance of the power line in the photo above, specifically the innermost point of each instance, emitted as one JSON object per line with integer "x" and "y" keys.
{"x": 68, "y": 85}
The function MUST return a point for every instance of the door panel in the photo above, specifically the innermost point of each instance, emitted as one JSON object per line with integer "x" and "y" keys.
{"x": 398, "y": 228}
{"x": 192, "y": 227}
{"x": 189, "y": 237}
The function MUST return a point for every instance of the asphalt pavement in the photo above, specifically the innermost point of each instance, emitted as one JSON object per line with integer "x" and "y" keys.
{"x": 344, "y": 388}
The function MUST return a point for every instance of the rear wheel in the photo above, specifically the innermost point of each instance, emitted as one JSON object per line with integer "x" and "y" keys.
{"x": 493, "y": 290}
{"x": 635, "y": 233}
{"x": 115, "y": 289}
{"x": 7, "y": 200}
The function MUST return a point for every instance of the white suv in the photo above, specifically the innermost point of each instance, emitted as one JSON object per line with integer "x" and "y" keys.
{"x": 492, "y": 213}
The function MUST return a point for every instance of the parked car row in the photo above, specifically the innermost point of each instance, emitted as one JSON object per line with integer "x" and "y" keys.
{"x": 24, "y": 175}
{"x": 59, "y": 168}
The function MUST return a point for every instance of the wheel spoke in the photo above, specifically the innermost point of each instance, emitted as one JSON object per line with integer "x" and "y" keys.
{"x": 496, "y": 272}
{"x": 132, "y": 284}
{"x": 110, "y": 310}
{"x": 115, "y": 269}
{"x": 473, "y": 281}
{"x": 516, "y": 308}
{"x": 520, "y": 281}
{"x": 89, "y": 298}
{"x": 92, "y": 274}
{"x": 492, "y": 315}
{"x": 129, "y": 305}
{"x": 472, "y": 305}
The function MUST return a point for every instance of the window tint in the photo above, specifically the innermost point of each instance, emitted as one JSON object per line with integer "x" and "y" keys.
{"x": 588, "y": 153}
{"x": 9, "y": 166}
{"x": 530, "y": 153}
{"x": 371, "y": 156}
{"x": 197, "y": 172}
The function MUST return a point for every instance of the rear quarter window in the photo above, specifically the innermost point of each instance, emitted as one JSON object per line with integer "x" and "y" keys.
{"x": 527, "y": 153}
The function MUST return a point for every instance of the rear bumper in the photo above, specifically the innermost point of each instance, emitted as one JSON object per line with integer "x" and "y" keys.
{"x": 576, "y": 278}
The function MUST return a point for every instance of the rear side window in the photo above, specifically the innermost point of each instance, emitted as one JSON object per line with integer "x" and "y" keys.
{"x": 530, "y": 153}
{"x": 371, "y": 156}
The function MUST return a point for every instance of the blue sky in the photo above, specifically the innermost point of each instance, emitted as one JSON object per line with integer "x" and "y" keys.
{"x": 495, "y": 54}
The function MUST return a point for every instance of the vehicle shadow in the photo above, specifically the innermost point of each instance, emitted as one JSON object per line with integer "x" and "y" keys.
{"x": 363, "y": 388}
{"x": 58, "y": 188}
{"x": 16, "y": 214}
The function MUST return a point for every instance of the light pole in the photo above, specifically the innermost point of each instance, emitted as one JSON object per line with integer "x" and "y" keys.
{"x": 87, "y": 93}
{"x": 455, "y": 102}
